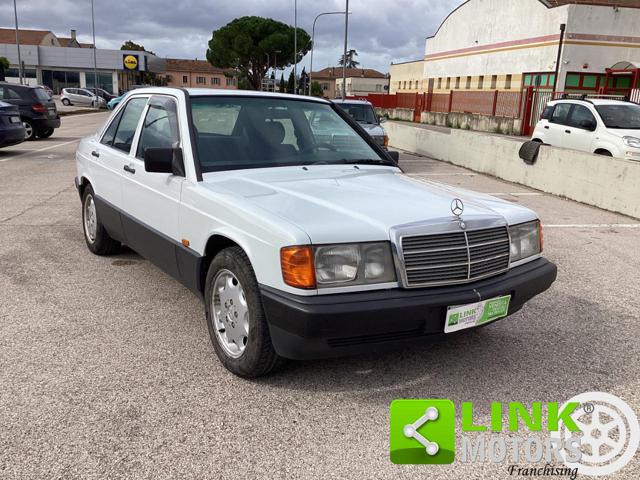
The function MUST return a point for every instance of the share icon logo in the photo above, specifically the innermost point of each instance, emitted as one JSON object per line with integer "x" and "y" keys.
{"x": 422, "y": 431}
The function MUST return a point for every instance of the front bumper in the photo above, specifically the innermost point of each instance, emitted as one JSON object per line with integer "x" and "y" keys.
{"x": 351, "y": 323}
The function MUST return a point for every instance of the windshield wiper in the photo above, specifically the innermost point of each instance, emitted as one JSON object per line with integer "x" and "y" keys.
{"x": 365, "y": 161}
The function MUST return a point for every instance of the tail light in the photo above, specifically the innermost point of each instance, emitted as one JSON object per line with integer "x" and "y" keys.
{"x": 38, "y": 108}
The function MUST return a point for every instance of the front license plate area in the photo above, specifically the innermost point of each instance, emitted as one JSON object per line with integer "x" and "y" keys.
{"x": 474, "y": 314}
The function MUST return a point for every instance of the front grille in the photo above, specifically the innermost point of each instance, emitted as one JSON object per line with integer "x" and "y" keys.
{"x": 456, "y": 257}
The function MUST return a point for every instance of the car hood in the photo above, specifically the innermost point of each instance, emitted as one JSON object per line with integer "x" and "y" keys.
{"x": 620, "y": 132}
{"x": 338, "y": 203}
{"x": 373, "y": 130}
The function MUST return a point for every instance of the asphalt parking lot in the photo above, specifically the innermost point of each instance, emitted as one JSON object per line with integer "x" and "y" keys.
{"x": 107, "y": 370}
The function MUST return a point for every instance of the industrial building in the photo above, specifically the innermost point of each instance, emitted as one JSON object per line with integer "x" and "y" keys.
{"x": 512, "y": 44}
{"x": 60, "y": 62}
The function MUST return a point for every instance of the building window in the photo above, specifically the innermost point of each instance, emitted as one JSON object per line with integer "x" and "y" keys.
{"x": 494, "y": 82}
{"x": 201, "y": 80}
{"x": 231, "y": 81}
{"x": 457, "y": 83}
{"x": 440, "y": 83}
{"x": 325, "y": 86}
{"x": 405, "y": 85}
{"x": 410, "y": 84}
{"x": 468, "y": 85}
{"x": 185, "y": 79}
{"x": 480, "y": 82}
{"x": 448, "y": 83}
{"x": 215, "y": 81}
{"x": 507, "y": 82}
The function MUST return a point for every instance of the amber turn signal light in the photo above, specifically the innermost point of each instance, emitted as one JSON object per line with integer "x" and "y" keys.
{"x": 540, "y": 236}
{"x": 297, "y": 266}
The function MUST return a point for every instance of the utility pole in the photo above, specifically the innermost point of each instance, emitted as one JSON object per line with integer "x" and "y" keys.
{"x": 563, "y": 27}
{"x": 344, "y": 58}
{"x": 95, "y": 61}
{"x": 15, "y": 12}
{"x": 295, "y": 44}
{"x": 313, "y": 40}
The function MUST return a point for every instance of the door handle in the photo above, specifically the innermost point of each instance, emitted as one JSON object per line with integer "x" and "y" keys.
{"x": 567, "y": 131}
{"x": 95, "y": 154}
{"x": 547, "y": 127}
{"x": 129, "y": 169}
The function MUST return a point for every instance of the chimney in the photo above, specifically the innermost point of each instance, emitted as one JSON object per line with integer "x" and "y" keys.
{"x": 73, "y": 34}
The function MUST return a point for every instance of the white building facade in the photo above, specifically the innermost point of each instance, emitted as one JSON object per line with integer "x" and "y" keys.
{"x": 511, "y": 44}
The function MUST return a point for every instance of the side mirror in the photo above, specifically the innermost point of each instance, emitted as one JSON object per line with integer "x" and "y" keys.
{"x": 164, "y": 160}
{"x": 588, "y": 125}
{"x": 395, "y": 156}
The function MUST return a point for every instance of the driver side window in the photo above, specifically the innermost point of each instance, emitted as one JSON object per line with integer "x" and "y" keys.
{"x": 128, "y": 124}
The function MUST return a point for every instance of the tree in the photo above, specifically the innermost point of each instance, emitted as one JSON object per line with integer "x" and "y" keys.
{"x": 291, "y": 84}
{"x": 245, "y": 44}
{"x": 4, "y": 65}
{"x": 303, "y": 82}
{"x": 316, "y": 89}
{"x": 351, "y": 62}
{"x": 130, "y": 45}
{"x": 283, "y": 85}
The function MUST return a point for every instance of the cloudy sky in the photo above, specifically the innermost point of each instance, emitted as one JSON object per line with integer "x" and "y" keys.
{"x": 381, "y": 32}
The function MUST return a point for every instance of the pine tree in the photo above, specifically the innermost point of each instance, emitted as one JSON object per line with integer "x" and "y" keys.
{"x": 282, "y": 83}
{"x": 291, "y": 84}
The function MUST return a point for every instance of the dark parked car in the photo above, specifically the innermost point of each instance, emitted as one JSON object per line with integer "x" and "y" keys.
{"x": 11, "y": 128}
{"x": 37, "y": 110}
{"x": 101, "y": 93}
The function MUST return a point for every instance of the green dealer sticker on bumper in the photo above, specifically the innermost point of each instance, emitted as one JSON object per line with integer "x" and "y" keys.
{"x": 474, "y": 314}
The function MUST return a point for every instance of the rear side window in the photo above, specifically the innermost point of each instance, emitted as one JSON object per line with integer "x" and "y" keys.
{"x": 128, "y": 124}
{"x": 160, "y": 128}
{"x": 561, "y": 113}
{"x": 41, "y": 94}
{"x": 9, "y": 94}
{"x": 548, "y": 112}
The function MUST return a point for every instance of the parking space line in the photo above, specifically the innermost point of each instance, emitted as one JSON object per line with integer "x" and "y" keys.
{"x": 518, "y": 194}
{"x": 595, "y": 225}
{"x": 453, "y": 174}
{"x": 38, "y": 150}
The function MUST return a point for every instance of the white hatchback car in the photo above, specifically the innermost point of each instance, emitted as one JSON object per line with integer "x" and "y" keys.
{"x": 603, "y": 127}
{"x": 302, "y": 244}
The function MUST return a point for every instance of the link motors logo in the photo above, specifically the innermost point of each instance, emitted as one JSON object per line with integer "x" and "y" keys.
{"x": 609, "y": 433}
{"x": 593, "y": 433}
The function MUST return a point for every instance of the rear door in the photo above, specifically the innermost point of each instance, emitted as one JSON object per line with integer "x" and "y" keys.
{"x": 153, "y": 199}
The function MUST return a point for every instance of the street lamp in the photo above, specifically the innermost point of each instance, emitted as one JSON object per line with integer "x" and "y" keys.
{"x": 313, "y": 40}
{"x": 295, "y": 43}
{"x": 95, "y": 61}
{"x": 15, "y": 12}
{"x": 344, "y": 58}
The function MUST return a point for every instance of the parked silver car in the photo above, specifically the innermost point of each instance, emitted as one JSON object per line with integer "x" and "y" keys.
{"x": 80, "y": 96}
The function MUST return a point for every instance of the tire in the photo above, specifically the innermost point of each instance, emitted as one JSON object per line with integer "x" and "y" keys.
{"x": 45, "y": 133}
{"x": 30, "y": 130}
{"x": 240, "y": 338}
{"x": 98, "y": 240}
{"x": 66, "y": 102}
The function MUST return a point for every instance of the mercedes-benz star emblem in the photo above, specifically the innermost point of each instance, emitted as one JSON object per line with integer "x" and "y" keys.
{"x": 457, "y": 207}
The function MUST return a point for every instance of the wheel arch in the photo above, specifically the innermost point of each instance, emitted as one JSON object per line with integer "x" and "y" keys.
{"x": 215, "y": 244}
{"x": 83, "y": 183}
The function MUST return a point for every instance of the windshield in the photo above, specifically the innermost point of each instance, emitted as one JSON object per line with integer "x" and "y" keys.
{"x": 360, "y": 112}
{"x": 620, "y": 116}
{"x": 245, "y": 132}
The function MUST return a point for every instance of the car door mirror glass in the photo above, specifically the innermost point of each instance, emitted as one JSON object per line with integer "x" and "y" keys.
{"x": 164, "y": 160}
{"x": 588, "y": 125}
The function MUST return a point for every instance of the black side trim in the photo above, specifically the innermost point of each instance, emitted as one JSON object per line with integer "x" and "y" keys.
{"x": 172, "y": 257}
{"x": 192, "y": 135}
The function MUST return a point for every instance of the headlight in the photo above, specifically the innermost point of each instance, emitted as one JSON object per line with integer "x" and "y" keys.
{"x": 526, "y": 240}
{"x": 631, "y": 142}
{"x": 337, "y": 265}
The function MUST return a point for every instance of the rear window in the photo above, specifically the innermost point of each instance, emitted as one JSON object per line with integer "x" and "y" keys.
{"x": 41, "y": 94}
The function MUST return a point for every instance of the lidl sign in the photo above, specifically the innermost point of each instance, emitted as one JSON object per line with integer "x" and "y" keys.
{"x": 130, "y": 62}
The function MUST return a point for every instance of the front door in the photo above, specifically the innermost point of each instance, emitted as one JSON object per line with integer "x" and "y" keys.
{"x": 152, "y": 200}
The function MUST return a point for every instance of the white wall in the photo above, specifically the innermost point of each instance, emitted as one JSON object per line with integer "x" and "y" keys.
{"x": 604, "y": 182}
{"x": 484, "y": 22}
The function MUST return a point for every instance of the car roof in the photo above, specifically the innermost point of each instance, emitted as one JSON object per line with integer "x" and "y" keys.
{"x": 19, "y": 86}
{"x": 208, "y": 92}
{"x": 593, "y": 101}
{"x": 352, "y": 102}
